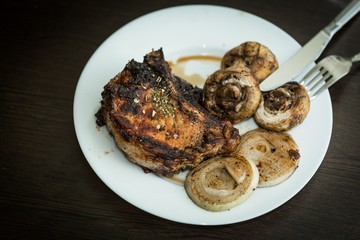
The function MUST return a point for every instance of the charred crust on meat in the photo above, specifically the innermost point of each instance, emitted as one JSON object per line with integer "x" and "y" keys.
{"x": 100, "y": 121}
{"x": 157, "y": 120}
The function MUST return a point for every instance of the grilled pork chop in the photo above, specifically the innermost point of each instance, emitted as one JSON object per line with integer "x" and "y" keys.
{"x": 156, "y": 119}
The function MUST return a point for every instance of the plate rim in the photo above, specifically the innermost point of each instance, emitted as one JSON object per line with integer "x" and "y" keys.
{"x": 75, "y": 113}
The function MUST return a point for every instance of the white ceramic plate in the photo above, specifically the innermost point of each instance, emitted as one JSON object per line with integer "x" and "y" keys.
{"x": 182, "y": 31}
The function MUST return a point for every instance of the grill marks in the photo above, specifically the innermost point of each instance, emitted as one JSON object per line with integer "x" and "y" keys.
{"x": 157, "y": 120}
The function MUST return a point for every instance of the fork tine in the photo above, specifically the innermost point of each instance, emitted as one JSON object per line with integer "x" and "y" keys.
{"x": 310, "y": 83}
{"x": 310, "y": 74}
{"x": 327, "y": 72}
{"x": 320, "y": 85}
{"x": 323, "y": 77}
{"x": 327, "y": 84}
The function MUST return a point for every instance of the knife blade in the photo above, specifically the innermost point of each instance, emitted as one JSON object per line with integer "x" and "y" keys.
{"x": 311, "y": 50}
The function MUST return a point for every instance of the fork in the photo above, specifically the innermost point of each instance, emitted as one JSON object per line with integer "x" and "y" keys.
{"x": 327, "y": 72}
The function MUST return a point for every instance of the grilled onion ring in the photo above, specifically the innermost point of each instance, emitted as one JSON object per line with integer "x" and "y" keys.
{"x": 261, "y": 61}
{"x": 283, "y": 108}
{"x": 221, "y": 183}
{"x": 232, "y": 93}
{"x": 275, "y": 154}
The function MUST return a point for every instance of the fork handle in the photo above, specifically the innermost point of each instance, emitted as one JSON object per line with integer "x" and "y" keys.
{"x": 355, "y": 58}
{"x": 343, "y": 17}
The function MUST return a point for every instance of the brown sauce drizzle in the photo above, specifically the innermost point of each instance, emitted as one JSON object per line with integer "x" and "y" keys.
{"x": 179, "y": 68}
{"x": 199, "y": 57}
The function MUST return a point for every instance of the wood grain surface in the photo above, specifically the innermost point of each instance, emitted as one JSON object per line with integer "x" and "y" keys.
{"x": 49, "y": 191}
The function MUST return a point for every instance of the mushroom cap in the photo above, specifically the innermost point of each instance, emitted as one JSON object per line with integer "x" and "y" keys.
{"x": 232, "y": 93}
{"x": 261, "y": 61}
{"x": 283, "y": 108}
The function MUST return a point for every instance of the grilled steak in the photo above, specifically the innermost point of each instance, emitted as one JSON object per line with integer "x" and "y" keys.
{"x": 157, "y": 121}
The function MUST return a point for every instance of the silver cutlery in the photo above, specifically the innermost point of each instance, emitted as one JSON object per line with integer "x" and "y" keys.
{"x": 327, "y": 72}
{"x": 311, "y": 51}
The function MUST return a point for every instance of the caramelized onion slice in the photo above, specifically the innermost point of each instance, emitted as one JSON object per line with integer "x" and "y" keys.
{"x": 283, "y": 108}
{"x": 232, "y": 93}
{"x": 261, "y": 61}
{"x": 221, "y": 183}
{"x": 275, "y": 154}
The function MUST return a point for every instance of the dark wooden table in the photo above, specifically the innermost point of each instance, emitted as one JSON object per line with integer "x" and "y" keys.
{"x": 49, "y": 191}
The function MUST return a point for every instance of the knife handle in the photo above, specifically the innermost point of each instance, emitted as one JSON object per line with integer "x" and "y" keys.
{"x": 343, "y": 17}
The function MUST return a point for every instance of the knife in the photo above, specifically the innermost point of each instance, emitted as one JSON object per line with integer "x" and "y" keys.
{"x": 311, "y": 51}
